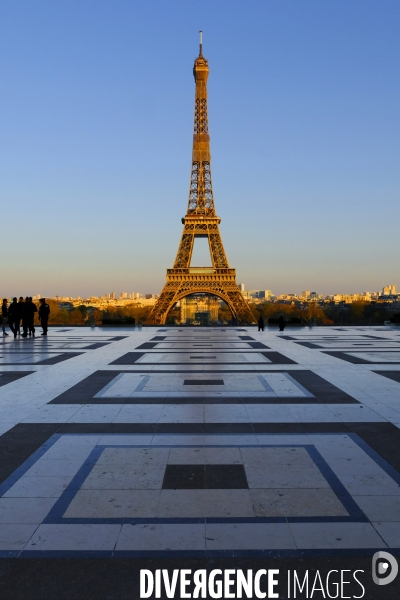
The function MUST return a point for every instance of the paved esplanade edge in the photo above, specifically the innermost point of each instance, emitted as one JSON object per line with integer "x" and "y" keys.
{"x": 197, "y": 442}
{"x": 201, "y": 221}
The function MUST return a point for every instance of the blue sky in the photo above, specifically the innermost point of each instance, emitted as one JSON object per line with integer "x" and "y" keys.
{"x": 96, "y": 132}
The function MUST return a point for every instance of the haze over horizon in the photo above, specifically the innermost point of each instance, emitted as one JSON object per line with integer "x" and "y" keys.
{"x": 96, "y": 138}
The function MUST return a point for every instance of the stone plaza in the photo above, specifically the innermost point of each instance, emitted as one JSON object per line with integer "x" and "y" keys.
{"x": 200, "y": 443}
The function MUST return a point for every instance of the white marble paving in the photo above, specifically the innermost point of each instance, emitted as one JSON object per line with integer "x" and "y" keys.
{"x": 200, "y": 413}
{"x": 281, "y": 477}
{"x": 125, "y": 480}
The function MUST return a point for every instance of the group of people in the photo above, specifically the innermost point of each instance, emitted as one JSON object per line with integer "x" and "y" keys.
{"x": 281, "y": 323}
{"x": 22, "y": 312}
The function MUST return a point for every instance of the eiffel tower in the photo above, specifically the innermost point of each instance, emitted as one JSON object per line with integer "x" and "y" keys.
{"x": 201, "y": 221}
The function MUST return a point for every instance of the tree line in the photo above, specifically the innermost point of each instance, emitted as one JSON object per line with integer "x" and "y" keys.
{"x": 357, "y": 313}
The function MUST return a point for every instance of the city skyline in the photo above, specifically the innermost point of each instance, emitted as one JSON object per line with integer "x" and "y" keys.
{"x": 387, "y": 290}
{"x": 96, "y": 134}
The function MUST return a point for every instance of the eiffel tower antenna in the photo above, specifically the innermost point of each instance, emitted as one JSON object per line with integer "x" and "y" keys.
{"x": 201, "y": 221}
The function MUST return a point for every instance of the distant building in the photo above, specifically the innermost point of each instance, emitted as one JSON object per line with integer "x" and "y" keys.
{"x": 124, "y": 295}
{"x": 249, "y": 294}
{"x": 389, "y": 290}
{"x": 306, "y": 294}
{"x": 266, "y": 294}
{"x": 201, "y": 309}
{"x": 241, "y": 287}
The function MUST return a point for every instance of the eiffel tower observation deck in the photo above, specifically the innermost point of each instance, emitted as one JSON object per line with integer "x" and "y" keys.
{"x": 201, "y": 221}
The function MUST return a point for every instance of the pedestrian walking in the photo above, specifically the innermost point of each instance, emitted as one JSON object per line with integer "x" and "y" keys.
{"x": 44, "y": 311}
{"x": 281, "y": 322}
{"x": 260, "y": 324}
{"x": 4, "y": 314}
{"x": 13, "y": 317}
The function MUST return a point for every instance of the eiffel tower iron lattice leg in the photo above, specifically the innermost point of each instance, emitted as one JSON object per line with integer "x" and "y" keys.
{"x": 201, "y": 221}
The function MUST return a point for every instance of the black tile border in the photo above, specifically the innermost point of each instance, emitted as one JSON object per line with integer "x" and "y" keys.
{"x": 308, "y": 345}
{"x": 10, "y": 376}
{"x": 394, "y": 375}
{"x": 17, "y": 444}
{"x": 203, "y": 382}
{"x": 359, "y": 361}
{"x": 318, "y": 341}
{"x": 53, "y": 360}
{"x": 83, "y": 392}
{"x": 257, "y": 345}
{"x": 96, "y": 345}
{"x": 321, "y": 388}
{"x": 49, "y": 344}
{"x": 323, "y": 391}
{"x": 130, "y": 358}
{"x": 209, "y": 344}
{"x": 147, "y": 346}
{"x": 277, "y": 358}
{"x": 190, "y": 338}
{"x": 57, "y": 359}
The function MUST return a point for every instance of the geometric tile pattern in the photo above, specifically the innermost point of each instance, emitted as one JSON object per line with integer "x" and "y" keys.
{"x": 197, "y": 442}
{"x": 137, "y": 386}
{"x": 116, "y": 480}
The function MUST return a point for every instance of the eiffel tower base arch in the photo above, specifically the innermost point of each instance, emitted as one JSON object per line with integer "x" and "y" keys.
{"x": 216, "y": 282}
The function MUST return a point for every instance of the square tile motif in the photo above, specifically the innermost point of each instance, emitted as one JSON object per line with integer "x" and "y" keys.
{"x": 272, "y": 385}
{"x": 125, "y": 387}
{"x": 273, "y": 482}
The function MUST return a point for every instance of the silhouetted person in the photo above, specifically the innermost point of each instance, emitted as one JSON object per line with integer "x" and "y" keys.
{"x": 260, "y": 324}
{"x": 13, "y": 317}
{"x": 281, "y": 322}
{"x": 21, "y": 312}
{"x": 24, "y": 316}
{"x": 30, "y": 310}
{"x": 44, "y": 311}
{"x": 4, "y": 314}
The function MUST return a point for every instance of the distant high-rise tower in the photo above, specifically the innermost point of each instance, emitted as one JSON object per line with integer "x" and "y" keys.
{"x": 201, "y": 221}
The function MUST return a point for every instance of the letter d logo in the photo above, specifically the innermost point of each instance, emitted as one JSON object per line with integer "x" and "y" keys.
{"x": 384, "y": 568}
